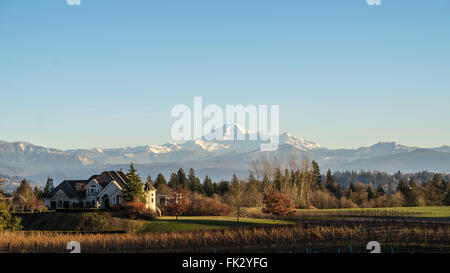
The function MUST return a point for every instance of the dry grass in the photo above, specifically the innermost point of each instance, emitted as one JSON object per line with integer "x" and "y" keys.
{"x": 259, "y": 238}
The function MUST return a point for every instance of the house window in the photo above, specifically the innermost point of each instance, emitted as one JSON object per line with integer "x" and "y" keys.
{"x": 53, "y": 205}
{"x": 93, "y": 203}
{"x": 66, "y": 204}
{"x": 152, "y": 200}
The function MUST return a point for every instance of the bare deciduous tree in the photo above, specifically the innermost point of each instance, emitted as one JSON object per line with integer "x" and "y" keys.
{"x": 236, "y": 195}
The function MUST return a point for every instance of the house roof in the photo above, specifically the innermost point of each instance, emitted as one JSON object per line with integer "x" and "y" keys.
{"x": 106, "y": 177}
{"x": 76, "y": 188}
{"x": 72, "y": 188}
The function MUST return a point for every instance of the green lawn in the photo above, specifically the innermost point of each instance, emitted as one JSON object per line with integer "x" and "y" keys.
{"x": 428, "y": 212}
{"x": 188, "y": 223}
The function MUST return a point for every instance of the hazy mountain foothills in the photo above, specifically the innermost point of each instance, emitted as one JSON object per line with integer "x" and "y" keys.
{"x": 218, "y": 159}
{"x": 11, "y": 183}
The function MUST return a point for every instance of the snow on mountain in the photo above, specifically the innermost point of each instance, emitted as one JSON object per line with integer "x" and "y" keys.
{"x": 12, "y": 183}
{"x": 23, "y": 158}
{"x": 27, "y": 160}
{"x": 233, "y": 138}
{"x": 383, "y": 148}
{"x": 201, "y": 145}
{"x": 443, "y": 149}
{"x": 298, "y": 143}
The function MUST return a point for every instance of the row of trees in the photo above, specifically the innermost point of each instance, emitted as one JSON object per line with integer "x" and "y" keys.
{"x": 188, "y": 182}
{"x": 435, "y": 192}
{"x": 302, "y": 185}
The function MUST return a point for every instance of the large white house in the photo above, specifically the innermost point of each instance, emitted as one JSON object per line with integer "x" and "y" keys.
{"x": 99, "y": 191}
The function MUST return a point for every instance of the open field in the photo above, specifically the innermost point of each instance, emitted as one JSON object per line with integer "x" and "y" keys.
{"x": 309, "y": 230}
{"x": 269, "y": 238}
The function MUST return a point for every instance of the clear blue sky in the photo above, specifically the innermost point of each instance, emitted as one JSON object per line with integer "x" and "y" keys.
{"x": 108, "y": 72}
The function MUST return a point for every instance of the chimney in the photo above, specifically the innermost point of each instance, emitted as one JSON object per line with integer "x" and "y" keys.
{"x": 51, "y": 184}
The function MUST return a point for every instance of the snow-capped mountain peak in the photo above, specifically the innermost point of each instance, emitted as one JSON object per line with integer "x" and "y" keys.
{"x": 297, "y": 142}
{"x": 228, "y": 132}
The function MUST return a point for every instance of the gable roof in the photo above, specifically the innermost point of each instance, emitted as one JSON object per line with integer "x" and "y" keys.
{"x": 71, "y": 188}
{"x": 76, "y": 188}
{"x": 107, "y": 176}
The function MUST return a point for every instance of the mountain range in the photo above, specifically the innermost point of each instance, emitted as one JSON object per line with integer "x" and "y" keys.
{"x": 219, "y": 158}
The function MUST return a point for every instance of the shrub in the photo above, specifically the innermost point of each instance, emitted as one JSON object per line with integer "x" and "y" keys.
{"x": 116, "y": 208}
{"x": 278, "y": 204}
{"x": 96, "y": 221}
{"x": 346, "y": 203}
{"x": 136, "y": 205}
{"x": 324, "y": 200}
{"x": 205, "y": 206}
{"x": 395, "y": 200}
{"x": 137, "y": 212}
{"x": 104, "y": 221}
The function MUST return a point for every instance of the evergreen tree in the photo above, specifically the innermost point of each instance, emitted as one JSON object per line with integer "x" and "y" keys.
{"x": 252, "y": 196}
{"x": 380, "y": 191}
{"x": 339, "y": 192}
{"x": 182, "y": 179}
{"x": 208, "y": 187}
{"x": 370, "y": 193}
{"x": 316, "y": 176}
{"x": 47, "y": 187}
{"x": 7, "y": 221}
{"x": 266, "y": 184}
{"x": 436, "y": 191}
{"x": 134, "y": 189}
{"x": 331, "y": 184}
{"x": 413, "y": 194}
{"x": 173, "y": 182}
{"x": 403, "y": 187}
{"x": 194, "y": 182}
{"x": 160, "y": 180}
{"x": 38, "y": 193}
{"x": 222, "y": 188}
{"x": 447, "y": 199}
{"x": 277, "y": 179}
{"x": 447, "y": 196}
